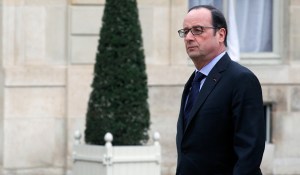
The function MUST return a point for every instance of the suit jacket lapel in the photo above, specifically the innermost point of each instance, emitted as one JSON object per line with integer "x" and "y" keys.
{"x": 210, "y": 83}
{"x": 183, "y": 101}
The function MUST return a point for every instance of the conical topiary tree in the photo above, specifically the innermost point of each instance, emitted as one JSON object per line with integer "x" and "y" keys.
{"x": 118, "y": 101}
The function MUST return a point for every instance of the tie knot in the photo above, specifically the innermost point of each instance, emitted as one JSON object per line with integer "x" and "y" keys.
{"x": 198, "y": 76}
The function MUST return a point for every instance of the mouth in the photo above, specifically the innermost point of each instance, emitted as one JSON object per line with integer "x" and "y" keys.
{"x": 191, "y": 47}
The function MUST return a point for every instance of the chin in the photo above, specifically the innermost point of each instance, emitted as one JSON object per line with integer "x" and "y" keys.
{"x": 192, "y": 56}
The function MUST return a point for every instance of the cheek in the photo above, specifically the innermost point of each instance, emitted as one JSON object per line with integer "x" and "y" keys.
{"x": 209, "y": 45}
{"x": 204, "y": 40}
{"x": 185, "y": 42}
{"x": 213, "y": 41}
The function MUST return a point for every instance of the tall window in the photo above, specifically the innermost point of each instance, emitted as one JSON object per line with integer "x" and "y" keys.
{"x": 268, "y": 119}
{"x": 254, "y": 19}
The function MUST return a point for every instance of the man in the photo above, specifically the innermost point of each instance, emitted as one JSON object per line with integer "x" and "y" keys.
{"x": 222, "y": 131}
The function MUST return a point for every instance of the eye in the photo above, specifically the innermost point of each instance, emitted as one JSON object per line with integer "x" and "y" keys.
{"x": 186, "y": 31}
{"x": 197, "y": 30}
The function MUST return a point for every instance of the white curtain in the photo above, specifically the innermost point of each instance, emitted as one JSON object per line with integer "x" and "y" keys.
{"x": 233, "y": 46}
{"x": 254, "y": 22}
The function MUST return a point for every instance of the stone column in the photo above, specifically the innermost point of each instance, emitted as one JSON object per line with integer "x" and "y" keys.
{"x": 1, "y": 86}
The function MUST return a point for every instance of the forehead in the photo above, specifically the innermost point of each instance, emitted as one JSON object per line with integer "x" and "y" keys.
{"x": 200, "y": 16}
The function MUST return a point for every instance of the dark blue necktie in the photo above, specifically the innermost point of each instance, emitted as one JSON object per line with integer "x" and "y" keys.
{"x": 194, "y": 91}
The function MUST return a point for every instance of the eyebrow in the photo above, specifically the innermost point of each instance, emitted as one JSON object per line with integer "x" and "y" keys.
{"x": 193, "y": 27}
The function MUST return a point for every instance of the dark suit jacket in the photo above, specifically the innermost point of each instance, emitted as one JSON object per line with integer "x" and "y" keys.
{"x": 225, "y": 134}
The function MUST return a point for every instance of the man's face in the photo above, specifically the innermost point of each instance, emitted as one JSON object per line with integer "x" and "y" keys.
{"x": 204, "y": 46}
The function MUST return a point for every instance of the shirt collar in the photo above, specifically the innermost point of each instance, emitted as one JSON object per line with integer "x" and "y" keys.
{"x": 207, "y": 68}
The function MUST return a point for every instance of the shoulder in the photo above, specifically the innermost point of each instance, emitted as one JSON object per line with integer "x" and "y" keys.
{"x": 233, "y": 70}
{"x": 243, "y": 79}
{"x": 241, "y": 72}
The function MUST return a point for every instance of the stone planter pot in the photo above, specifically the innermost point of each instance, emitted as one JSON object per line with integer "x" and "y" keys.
{"x": 116, "y": 160}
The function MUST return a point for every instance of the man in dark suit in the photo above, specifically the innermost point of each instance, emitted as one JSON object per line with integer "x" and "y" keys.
{"x": 221, "y": 128}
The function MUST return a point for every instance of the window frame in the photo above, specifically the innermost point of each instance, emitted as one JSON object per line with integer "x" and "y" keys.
{"x": 274, "y": 57}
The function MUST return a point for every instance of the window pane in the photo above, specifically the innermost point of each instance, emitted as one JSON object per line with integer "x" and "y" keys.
{"x": 254, "y": 23}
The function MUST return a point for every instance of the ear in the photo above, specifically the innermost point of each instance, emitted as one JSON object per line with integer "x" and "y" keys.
{"x": 222, "y": 33}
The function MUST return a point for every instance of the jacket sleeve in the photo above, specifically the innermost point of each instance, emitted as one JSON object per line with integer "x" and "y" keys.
{"x": 249, "y": 125}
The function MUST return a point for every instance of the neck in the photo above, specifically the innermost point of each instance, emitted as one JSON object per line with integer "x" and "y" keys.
{"x": 203, "y": 61}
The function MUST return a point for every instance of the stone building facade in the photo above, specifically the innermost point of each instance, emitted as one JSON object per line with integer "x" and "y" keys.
{"x": 47, "y": 52}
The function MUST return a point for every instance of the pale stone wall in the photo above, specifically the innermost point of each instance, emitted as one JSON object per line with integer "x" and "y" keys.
{"x": 47, "y": 53}
{"x": 1, "y": 87}
{"x": 34, "y": 66}
{"x": 285, "y": 93}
